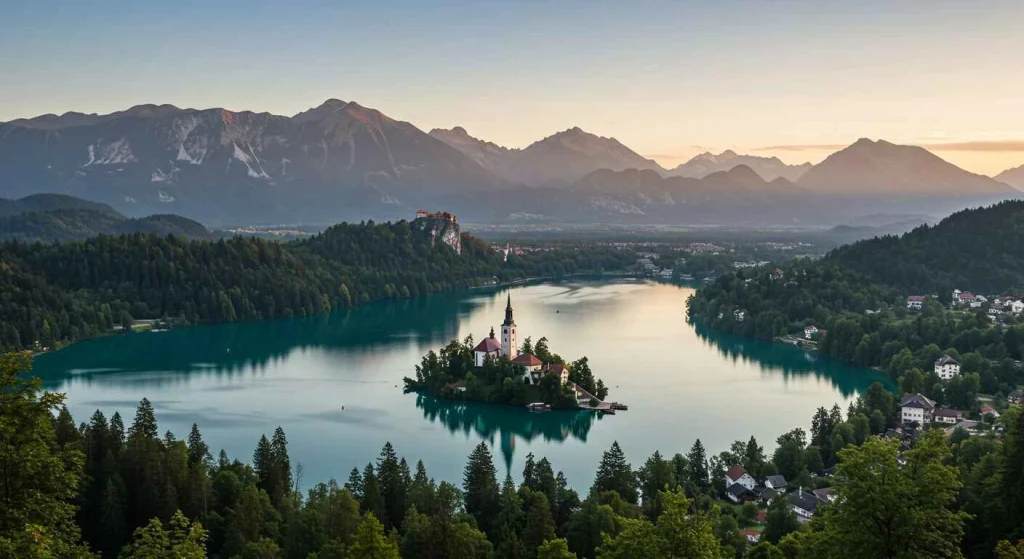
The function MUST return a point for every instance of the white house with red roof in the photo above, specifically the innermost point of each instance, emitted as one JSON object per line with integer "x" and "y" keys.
{"x": 915, "y": 302}
{"x": 988, "y": 410}
{"x": 737, "y": 475}
{"x": 810, "y": 331}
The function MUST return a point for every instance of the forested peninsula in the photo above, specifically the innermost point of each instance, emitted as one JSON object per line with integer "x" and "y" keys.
{"x": 859, "y": 303}
{"x": 55, "y": 293}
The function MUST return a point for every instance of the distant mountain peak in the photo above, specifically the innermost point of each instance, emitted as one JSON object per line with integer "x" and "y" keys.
{"x": 707, "y": 163}
{"x": 878, "y": 167}
{"x": 1013, "y": 177}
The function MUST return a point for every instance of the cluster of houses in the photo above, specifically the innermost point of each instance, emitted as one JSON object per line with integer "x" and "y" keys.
{"x": 1000, "y": 305}
{"x": 741, "y": 487}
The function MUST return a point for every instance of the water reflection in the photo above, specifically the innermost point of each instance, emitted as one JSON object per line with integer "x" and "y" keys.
{"x": 505, "y": 422}
{"x": 788, "y": 360}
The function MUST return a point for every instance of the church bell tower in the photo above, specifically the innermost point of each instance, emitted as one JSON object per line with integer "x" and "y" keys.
{"x": 509, "y": 343}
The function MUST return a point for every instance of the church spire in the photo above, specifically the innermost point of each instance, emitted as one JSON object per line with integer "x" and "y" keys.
{"x": 508, "y": 311}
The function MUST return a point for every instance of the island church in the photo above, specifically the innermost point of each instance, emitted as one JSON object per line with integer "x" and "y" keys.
{"x": 509, "y": 347}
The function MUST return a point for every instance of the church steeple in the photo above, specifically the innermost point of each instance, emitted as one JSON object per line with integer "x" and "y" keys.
{"x": 508, "y": 312}
{"x": 509, "y": 343}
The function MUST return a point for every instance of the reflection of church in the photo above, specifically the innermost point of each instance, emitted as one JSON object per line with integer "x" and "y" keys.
{"x": 509, "y": 347}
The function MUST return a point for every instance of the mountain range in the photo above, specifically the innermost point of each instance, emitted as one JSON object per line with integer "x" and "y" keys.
{"x": 769, "y": 168}
{"x": 342, "y": 161}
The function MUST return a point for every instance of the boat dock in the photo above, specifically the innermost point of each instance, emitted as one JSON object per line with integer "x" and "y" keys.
{"x": 583, "y": 399}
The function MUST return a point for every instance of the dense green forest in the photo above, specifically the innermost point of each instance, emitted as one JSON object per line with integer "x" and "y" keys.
{"x": 107, "y": 489}
{"x": 60, "y": 292}
{"x": 857, "y": 294}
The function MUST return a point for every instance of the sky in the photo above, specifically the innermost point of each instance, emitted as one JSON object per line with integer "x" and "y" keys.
{"x": 797, "y": 80}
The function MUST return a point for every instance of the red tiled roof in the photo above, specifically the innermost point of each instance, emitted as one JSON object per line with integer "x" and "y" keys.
{"x": 762, "y": 515}
{"x": 527, "y": 360}
{"x": 556, "y": 368}
{"x": 735, "y": 472}
{"x": 488, "y": 345}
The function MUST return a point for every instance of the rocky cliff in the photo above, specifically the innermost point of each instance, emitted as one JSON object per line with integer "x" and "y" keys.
{"x": 442, "y": 227}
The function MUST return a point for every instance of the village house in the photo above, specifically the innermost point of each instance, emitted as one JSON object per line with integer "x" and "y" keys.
{"x": 531, "y": 365}
{"x": 915, "y": 302}
{"x": 825, "y": 495}
{"x": 737, "y": 475}
{"x": 916, "y": 408}
{"x": 776, "y": 482}
{"x": 739, "y": 314}
{"x": 1016, "y": 397}
{"x": 739, "y": 494}
{"x": 946, "y": 367}
{"x": 810, "y": 331}
{"x": 768, "y": 494}
{"x": 1017, "y": 307}
{"x": 803, "y": 504}
{"x": 777, "y": 274}
{"x": 948, "y": 416}
{"x": 988, "y": 410}
{"x": 562, "y": 371}
{"x": 753, "y": 536}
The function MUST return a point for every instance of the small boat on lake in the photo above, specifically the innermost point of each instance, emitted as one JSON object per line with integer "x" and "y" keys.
{"x": 538, "y": 406}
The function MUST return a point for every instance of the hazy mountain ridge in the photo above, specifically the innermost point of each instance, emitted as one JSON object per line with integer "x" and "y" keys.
{"x": 769, "y": 168}
{"x": 880, "y": 168}
{"x": 341, "y": 161}
{"x": 1013, "y": 177}
{"x": 50, "y": 217}
{"x": 557, "y": 160}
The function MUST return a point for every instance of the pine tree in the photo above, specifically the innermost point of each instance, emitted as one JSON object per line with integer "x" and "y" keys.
{"x": 510, "y": 522}
{"x": 540, "y": 524}
{"x": 373, "y": 501}
{"x": 354, "y": 485}
{"x": 391, "y": 486}
{"x": 697, "y": 467}
{"x": 615, "y": 474}
{"x": 281, "y": 467}
{"x": 480, "y": 488}
{"x": 529, "y": 472}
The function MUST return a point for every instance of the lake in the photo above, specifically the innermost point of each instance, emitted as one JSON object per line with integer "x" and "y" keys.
{"x": 334, "y": 382}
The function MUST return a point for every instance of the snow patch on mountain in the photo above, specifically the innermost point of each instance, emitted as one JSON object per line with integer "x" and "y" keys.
{"x": 248, "y": 159}
{"x": 113, "y": 153}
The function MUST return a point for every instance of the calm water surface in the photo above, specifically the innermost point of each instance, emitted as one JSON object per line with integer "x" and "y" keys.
{"x": 334, "y": 382}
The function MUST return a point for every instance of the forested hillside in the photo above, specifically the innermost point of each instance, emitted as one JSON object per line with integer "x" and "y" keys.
{"x": 980, "y": 249}
{"x": 857, "y": 295}
{"x": 56, "y": 217}
{"x": 53, "y": 293}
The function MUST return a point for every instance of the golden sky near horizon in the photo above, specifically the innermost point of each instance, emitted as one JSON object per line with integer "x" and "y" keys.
{"x": 787, "y": 78}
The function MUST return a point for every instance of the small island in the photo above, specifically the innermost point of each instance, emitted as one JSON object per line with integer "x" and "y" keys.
{"x": 505, "y": 372}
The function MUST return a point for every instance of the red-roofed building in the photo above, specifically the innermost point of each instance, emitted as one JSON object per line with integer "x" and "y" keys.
{"x": 753, "y": 536}
{"x": 737, "y": 474}
{"x": 489, "y": 347}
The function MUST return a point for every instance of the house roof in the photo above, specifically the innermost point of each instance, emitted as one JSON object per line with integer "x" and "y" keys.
{"x": 556, "y": 368}
{"x": 769, "y": 494}
{"x": 947, "y": 412}
{"x": 735, "y": 472}
{"x": 776, "y": 481}
{"x": 527, "y": 360}
{"x": 750, "y": 534}
{"x": 488, "y": 345}
{"x": 988, "y": 409}
{"x": 915, "y": 298}
{"x": 946, "y": 360}
{"x": 917, "y": 401}
{"x": 823, "y": 494}
{"x": 806, "y": 501}
{"x": 737, "y": 490}
{"x": 762, "y": 515}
